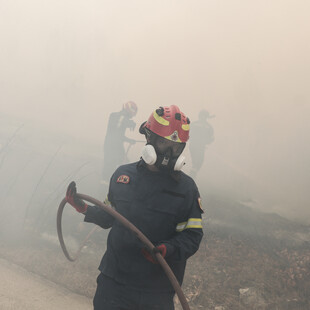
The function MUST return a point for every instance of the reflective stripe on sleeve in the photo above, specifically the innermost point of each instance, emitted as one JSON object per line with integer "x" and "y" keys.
{"x": 108, "y": 203}
{"x": 191, "y": 223}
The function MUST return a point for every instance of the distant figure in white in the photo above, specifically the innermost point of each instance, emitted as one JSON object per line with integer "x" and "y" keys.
{"x": 113, "y": 149}
{"x": 202, "y": 134}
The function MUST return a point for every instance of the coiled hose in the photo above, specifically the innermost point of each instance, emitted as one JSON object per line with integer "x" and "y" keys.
{"x": 132, "y": 228}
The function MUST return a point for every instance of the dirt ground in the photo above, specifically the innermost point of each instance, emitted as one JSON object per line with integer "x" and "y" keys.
{"x": 21, "y": 289}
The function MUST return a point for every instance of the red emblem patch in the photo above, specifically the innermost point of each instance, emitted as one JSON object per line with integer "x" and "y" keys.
{"x": 174, "y": 136}
{"x": 123, "y": 179}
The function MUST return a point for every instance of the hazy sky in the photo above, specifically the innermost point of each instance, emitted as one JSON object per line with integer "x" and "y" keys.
{"x": 66, "y": 64}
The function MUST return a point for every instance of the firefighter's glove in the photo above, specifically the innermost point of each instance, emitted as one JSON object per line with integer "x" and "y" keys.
{"x": 151, "y": 255}
{"x": 74, "y": 201}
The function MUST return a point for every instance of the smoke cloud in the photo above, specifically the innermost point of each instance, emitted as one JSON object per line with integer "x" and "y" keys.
{"x": 66, "y": 65}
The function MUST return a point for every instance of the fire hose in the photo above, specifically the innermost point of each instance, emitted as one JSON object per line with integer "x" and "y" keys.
{"x": 131, "y": 227}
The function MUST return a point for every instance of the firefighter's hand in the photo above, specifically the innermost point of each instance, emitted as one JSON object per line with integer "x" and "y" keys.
{"x": 151, "y": 255}
{"x": 74, "y": 201}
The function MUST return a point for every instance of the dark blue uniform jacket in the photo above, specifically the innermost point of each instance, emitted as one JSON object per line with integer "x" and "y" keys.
{"x": 165, "y": 208}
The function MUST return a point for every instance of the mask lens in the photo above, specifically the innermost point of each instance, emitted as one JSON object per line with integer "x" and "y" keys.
{"x": 163, "y": 145}
{"x": 178, "y": 149}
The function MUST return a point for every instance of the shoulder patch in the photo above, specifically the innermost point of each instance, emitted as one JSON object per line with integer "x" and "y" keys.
{"x": 200, "y": 205}
{"x": 123, "y": 179}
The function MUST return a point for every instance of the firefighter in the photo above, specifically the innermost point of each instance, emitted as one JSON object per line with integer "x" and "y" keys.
{"x": 161, "y": 201}
{"x": 113, "y": 148}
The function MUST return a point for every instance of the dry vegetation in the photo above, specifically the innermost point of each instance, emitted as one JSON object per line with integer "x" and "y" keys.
{"x": 234, "y": 268}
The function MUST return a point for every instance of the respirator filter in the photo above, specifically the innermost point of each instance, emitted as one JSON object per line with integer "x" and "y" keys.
{"x": 149, "y": 154}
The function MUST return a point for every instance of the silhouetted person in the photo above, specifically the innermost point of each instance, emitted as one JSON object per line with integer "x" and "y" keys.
{"x": 201, "y": 135}
{"x": 113, "y": 148}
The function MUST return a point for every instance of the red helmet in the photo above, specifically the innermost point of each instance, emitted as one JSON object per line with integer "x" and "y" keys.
{"x": 169, "y": 123}
{"x": 131, "y": 108}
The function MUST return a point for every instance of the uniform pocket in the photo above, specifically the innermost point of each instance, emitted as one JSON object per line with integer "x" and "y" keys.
{"x": 167, "y": 202}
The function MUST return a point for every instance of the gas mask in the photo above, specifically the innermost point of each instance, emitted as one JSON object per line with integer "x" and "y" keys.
{"x": 164, "y": 154}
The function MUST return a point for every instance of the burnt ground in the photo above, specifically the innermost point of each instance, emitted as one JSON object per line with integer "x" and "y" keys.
{"x": 247, "y": 260}
{"x": 21, "y": 289}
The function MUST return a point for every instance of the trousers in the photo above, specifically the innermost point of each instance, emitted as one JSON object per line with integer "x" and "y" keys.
{"x": 111, "y": 295}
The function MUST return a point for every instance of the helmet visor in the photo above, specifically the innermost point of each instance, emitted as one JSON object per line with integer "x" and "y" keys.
{"x": 163, "y": 146}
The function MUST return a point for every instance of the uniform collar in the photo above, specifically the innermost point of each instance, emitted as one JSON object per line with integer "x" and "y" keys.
{"x": 175, "y": 175}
